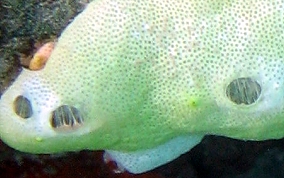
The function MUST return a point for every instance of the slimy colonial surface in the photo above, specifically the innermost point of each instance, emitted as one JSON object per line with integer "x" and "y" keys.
{"x": 147, "y": 80}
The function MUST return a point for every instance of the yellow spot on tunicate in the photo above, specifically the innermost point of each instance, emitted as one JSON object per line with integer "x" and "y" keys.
{"x": 38, "y": 139}
{"x": 192, "y": 103}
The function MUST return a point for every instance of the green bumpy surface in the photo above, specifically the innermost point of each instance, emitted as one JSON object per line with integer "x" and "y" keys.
{"x": 144, "y": 72}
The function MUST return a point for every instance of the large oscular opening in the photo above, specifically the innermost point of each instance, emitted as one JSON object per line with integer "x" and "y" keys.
{"x": 243, "y": 91}
{"x": 66, "y": 117}
{"x": 23, "y": 107}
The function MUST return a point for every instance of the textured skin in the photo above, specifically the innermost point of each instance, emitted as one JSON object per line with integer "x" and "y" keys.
{"x": 142, "y": 73}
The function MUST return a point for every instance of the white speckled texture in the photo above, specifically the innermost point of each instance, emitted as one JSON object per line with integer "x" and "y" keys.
{"x": 142, "y": 73}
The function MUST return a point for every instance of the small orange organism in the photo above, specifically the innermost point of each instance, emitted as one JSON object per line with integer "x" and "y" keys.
{"x": 41, "y": 56}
